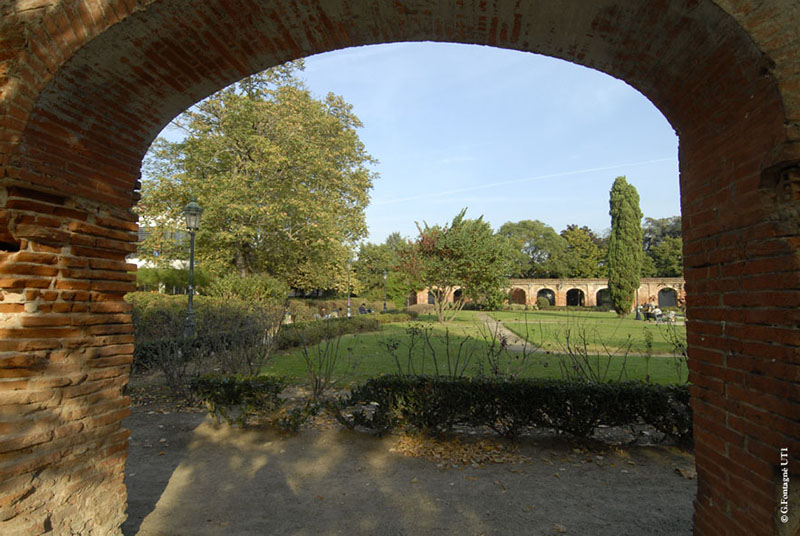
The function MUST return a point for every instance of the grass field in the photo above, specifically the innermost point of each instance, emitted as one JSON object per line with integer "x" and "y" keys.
{"x": 464, "y": 344}
{"x": 553, "y": 328}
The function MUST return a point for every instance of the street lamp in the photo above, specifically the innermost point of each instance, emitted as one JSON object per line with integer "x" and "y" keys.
{"x": 348, "y": 289}
{"x": 384, "y": 290}
{"x": 191, "y": 213}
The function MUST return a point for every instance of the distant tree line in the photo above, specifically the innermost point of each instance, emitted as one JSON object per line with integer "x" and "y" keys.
{"x": 541, "y": 252}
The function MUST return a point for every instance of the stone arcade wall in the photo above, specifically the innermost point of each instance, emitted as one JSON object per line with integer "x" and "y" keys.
{"x": 525, "y": 291}
{"x": 650, "y": 286}
{"x": 85, "y": 85}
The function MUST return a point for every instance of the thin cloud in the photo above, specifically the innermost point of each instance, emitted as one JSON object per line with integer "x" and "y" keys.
{"x": 519, "y": 181}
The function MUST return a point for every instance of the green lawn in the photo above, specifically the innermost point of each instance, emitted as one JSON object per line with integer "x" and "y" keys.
{"x": 366, "y": 355}
{"x": 554, "y": 329}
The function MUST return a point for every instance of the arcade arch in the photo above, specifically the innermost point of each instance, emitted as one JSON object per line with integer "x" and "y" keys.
{"x": 667, "y": 297}
{"x": 518, "y": 296}
{"x": 603, "y": 298}
{"x": 575, "y": 297}
{"x": 87, "y": 85}
{"x": 547, "y": 294}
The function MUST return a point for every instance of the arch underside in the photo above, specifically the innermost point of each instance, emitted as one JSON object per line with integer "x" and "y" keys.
{"x": 136, "y": 78}
{"x": 90, "y": 96}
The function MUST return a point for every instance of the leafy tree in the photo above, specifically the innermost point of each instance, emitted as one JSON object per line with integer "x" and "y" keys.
{"x": 662, "y": 244}
{"x": 648, "y": 266}
{"x": 375, "y": 259}
{"x": 585, "y": 254}
{"x": 624, "y": 245}
{"x": 655, "y": 230}
{"x": 465, "y": 255}
{"x": 539, "y": 251}
{"x": 282, "y": 177}
{"x": 668, "y": 257}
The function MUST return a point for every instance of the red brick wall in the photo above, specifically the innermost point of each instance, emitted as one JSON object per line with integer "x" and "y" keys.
{"x": 86, "y": 84}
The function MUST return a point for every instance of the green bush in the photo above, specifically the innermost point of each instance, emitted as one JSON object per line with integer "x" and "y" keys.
{"x": 254, "y": 288}
{"x": 309, "y": 333}
{"x": 238, "y": 336}
{"x": 436, "y": 404}
{"x": 305, "y": 310}
{"x": 169, "y": 279}
{"x": 421, "y": 309}
{"x": 149, "y": 299}
{"x": 542, "y": 303}
{"x": 234, "y": 398}
{"x": 390, "y": 318}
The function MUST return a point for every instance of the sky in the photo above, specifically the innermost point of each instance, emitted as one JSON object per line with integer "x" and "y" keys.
{"x": 505, "y": 134}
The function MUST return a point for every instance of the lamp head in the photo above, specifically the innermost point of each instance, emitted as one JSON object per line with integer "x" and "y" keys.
{"x": 191, "y": 213}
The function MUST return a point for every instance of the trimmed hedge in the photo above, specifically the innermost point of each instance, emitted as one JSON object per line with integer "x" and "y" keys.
{"x": 159, "y": 327}
{"x": 303, "y": 310}
{"x": 392, "y": 317}
{"x": 234, "y": 397}
{"x": 308, "y": 333}
{"x": 436, "y": 404}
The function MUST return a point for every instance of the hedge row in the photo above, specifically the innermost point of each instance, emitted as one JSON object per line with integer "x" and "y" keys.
{"x": 436, "y": 404}
{"x": 235, "y": 397}
{"x": 159, "y": 327}
{"x": 308, "y": 333}
{"x": 303, "y": 310}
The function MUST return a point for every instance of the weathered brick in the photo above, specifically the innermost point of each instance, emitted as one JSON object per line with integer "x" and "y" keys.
{"x": 733, "y": 95}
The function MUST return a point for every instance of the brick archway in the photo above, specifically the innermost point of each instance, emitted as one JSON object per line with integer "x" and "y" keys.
{"x": 547, "y": 294}
{"x": 518, "y": 296}
{"x": 85, "y": 87}
{"x": 575, "y": 297}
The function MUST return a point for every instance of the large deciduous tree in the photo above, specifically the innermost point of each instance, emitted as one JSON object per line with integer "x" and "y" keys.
{"x": 663, "y": 247}
{"x": 624, "y": 245}
{"x": 465, "y": 256}
{"x": 539, "y": 251}
{"x": 585, "y": 253}
{"x": 667, "y": 257}
{"x": 376, "y": 259}
{"x": 282, "y": 177}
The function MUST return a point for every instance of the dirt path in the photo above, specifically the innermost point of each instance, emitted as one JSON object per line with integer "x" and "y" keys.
{"x": 186, "y": 476}
{"x": 515, "y": 343}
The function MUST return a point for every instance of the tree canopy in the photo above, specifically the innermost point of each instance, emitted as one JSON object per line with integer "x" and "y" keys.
{"x": 585, "y": 253}
{"x": 465, "y": 256}
{"x": 282, "y": 177}
{"x": 624, "y": 245}
{"x": 376, "y": 259}
{"x": 663, "y": 247}
{"x": 539, "y": 251}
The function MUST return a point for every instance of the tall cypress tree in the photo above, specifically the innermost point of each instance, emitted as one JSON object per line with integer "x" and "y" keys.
{"x": 624, "y": 245}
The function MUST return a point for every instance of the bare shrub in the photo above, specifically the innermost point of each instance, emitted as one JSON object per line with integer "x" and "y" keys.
{"x": 587, "y": 356}
{"x": 241, "y": 337}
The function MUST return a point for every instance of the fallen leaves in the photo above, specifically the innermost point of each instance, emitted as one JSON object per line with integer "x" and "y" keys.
{"x": 689, "y": 474}
{"x": 455, "y": 452}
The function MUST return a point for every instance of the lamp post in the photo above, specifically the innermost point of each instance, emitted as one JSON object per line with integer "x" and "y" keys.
{"x": 384, "y": 290}
{"x": 638, "y": 315}
{"x": 191, "y": 213}
{"x": 348, "y": 289}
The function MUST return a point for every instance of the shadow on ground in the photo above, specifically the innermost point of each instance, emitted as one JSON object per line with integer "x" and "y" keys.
{"x": 207, "y": 480}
